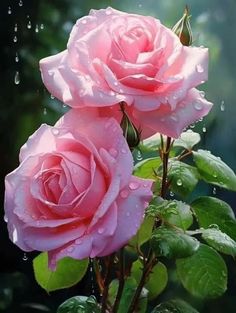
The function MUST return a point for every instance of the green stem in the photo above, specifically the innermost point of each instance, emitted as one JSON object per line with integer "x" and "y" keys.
{"x": 165, "y": 158}
{"x": 106, "y": 283}
{"x": 121, "y": 281}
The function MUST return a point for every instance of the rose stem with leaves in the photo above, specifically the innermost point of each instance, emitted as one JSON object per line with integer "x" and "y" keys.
{"x": 106, "y": 283}
{"x": 121, "y": 281}
{"x": 151, "y": 260}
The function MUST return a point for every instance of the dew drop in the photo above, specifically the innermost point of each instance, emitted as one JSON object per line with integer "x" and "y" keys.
{"x": 215, "y": 174}
{"x": 15, "y": 39}
{"x": 64, "y": 105}
{"x": 116, "y": 83}
{"x": 108, "y": 12}
{"x": 9, "y": 10}
{"x": 52, "y": 97}
{"x": 179, "y": 182}
{"x": 55, "y": 131}
{"x": 134, "y": 185}
{"x": 199, "y": 68}
{"x": 15, "y": 28}
{"x": 45, "y": 111}
{"x": 113, "y": 152}
{"x": 5, "y": 218}
{"x": 124, "y": 194}
{"x": 101, "y": 230}
{"x": 29, "y": 25}
{"x": 20, "y": 3}
{"x": 204, "y": 130}
{"x": 84, "y": 21}
{"x": 16, "y": 58}
{"x": 42, "y": 26}
{"x": 25, "y": 258}
{"x": 198, "y": 106}
{"x": 17, "y": 78}
{"x": 222, "y": 106}
{"x": 202, "y": 94}
{"x": 139, "y": 156}
{"x": 172, "y": 194}
{"x": 36, "y": 28}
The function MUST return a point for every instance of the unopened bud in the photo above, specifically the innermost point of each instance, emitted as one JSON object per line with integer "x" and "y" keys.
{"x": 183, "y": 29}
{"x": 130, "y": 132}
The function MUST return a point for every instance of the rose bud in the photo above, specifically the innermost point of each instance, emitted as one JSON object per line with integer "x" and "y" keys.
{"x": 130, "y": 132}
{"x": 183, "y": 29}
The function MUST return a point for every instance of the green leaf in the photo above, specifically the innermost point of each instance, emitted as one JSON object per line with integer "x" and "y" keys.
{"x": 204, "y": 274}
{"x": 174, "y": 306}
{"x": 209, "y": 210}
{"x": 213, "y": 170}
{"x": 146, "y": 168}
{"x": 144, "y": 233}
{"x": 184, "y": 178}
{"x": 127, "y": 295}
{"x": 219, "y": 241}
{"x": 179, "y": 215}
{"x": 157, "y": 279}
{"x": 173, "y": 244}
{"x": 187, "y": 140}
{"x": 79, "y": 304}
{"x": 68, "y": 272}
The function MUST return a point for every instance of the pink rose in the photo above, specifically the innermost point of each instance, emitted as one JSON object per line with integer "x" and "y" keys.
{"x": 114, "y": 56}
{"x": 73, "y": 193}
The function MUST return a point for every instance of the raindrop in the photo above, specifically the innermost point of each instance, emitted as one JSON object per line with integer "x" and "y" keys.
{"x": 116, "y": 83}
{"x": 202, "y": 94}
{"x": 124, "y": 194}
{"x": 45, "y": 111}
{"x": 20, "y": 3}
{"x": 108, "y": 12}
{"x": 198, "y": 105}
{"x": 25, "y": 258}
{"x": 42, "y": 26}
{"x": 29, "y": 25}
{"x": 16, "y": 58}
{"x": 215, "y": 174}
{"x": 15, "y": 39}
{"x": 214, "y": 191}
{"x": 36, "y": 28}
{"x": 139, "y": 156}
{"x": 17, "y": 78}
{"x": 222, "y": 106}
{"x": 52, "y": 97}
{"x": 113, "y": 152}
{"x": 199, "y": 68}
{"x": 15, "y": 28}
{"x": 134, "y": 185}
{"x": 204, "y": 130}
{"x": 84, "y": 21}
{"x": 123, "y": 150}
{"x": 192, "y": 126}
{"x": 172, "y": 194}
{"x": 101, "y": 230}
{"x": 55, "y": 131}
{"x": 9, "y": 10}
{"x": 179, "y": 182}
{"x": 64, "y": 105}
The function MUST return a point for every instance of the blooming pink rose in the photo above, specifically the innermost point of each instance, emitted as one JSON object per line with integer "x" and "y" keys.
{"x": 73, "y": 193}
{"x": 114, "y": 56}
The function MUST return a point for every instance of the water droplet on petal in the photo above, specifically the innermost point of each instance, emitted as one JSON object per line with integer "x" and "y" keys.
{"x": 202, "y": 94}
{"x": 116, "y": 83}
{"x": 20, "y": 3}
{"x": 179, "y": 182}
{"x": 198, "y": 106}
{"x": 108, "y": 12}
{"x": 17, "y": 78}
{"x": 52, "y": 97}
{"x": 84, "y": 21}
{"x": 134, "y": 185}
{"x": 70, "y": 249}
{"x": 101, "y": 230}
{"x": 222, "y": 106}
{"x": 113, "y": 152}
{"x": 29, "y": 25}
{"x": 55, "y": 131}
{"x": 15, "y": 39}
{"x": 123, "y": 150}
{"x": 9, "y": 10}
{"x": 25, "y": 258}
{"x": 5, "y": 218}
{"x": 199, "y": 68}
{"x": 124, "y": 194}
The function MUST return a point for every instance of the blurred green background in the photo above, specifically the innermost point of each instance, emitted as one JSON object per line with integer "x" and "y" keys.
{"x": 33, "y": 29}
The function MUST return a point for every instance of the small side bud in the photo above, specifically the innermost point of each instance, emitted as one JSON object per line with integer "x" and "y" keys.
{"x": 183, "y": 29}
{"x": 130, "y": 132}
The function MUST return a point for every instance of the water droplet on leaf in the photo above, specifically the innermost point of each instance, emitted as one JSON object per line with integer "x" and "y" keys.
{"x": 199, "y": 68}
{"x": 179, "y": 182}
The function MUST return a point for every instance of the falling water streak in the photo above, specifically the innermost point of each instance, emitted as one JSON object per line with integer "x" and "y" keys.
{"x": 29, "y": 25}
{"x": 9, "y": 10}
{"x": 42, "y": 26}
{"x": 15, "y": 39}
{"x": 222, "y": 106}
{"x": 45, "y": 111}
{"x": 20, "y": 3}
{"x": 92, "y": 277}
{"x": 36, "y": 28}
{"x": 15, "y": 28}
{"x": 17, "y": 57}
{"x": 17, "y": 78}
{"x": 25, "y": 258}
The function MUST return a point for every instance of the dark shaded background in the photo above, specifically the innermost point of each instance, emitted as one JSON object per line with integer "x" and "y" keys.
{"x": 26, "y": 105}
